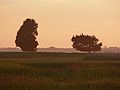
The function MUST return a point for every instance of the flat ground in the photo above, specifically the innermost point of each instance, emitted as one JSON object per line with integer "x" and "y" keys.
{"x": 59, "y": 71}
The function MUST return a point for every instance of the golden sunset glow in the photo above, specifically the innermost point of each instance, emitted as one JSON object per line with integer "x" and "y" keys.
{"x": 59, "y": 20}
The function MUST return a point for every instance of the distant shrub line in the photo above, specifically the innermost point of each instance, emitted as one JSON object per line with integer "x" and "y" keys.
{"x": 80, "y": 56}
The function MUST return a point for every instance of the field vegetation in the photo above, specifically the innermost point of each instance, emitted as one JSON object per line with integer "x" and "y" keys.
{"x": 59, "y": 71}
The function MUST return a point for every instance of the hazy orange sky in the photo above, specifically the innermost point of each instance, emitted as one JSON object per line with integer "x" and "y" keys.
{"x": 59, "y": 20}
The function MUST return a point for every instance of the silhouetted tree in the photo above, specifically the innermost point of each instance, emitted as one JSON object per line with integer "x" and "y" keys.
{"x": 25, "y": 38}
{"x": 86, "y": 43}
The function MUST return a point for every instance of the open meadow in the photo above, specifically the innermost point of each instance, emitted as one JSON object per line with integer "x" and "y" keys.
{"x": 59, "y": 71}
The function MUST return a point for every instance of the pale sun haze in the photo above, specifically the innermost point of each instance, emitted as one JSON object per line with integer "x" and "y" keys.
{"x": 59, "y": 20}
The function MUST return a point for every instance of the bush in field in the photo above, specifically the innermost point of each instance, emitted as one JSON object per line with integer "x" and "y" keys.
{"x": 86, "y": 43}
{"x": 25, "y": 38}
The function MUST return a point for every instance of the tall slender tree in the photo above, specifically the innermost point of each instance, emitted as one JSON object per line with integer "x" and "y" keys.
{"x": 26, "y": 36}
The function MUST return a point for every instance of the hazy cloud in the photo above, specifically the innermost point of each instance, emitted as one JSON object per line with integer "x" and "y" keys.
{"x": 5, "y": 8}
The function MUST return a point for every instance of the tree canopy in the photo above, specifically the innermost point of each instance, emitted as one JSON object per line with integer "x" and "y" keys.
{"x": 26, "y": 35}
{"x": 86, "y": 43}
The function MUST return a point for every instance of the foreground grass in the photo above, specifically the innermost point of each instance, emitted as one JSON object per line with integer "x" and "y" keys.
{"x": 59, "y": 72}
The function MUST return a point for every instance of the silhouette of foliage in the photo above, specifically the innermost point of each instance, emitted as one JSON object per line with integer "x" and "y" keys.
{"x": 26, "y": 36}
{"x": 86, "y": 43}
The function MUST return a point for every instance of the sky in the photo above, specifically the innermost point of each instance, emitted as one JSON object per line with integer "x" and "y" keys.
{"x": 59, "y": 20}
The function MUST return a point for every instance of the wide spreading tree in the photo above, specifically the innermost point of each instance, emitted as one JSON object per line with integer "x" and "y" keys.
{"x": 26, "y": 36}
{"x": 86, "y": 43}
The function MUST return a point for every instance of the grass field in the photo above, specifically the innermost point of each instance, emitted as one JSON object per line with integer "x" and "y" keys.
{"x": 59, "y": 71}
